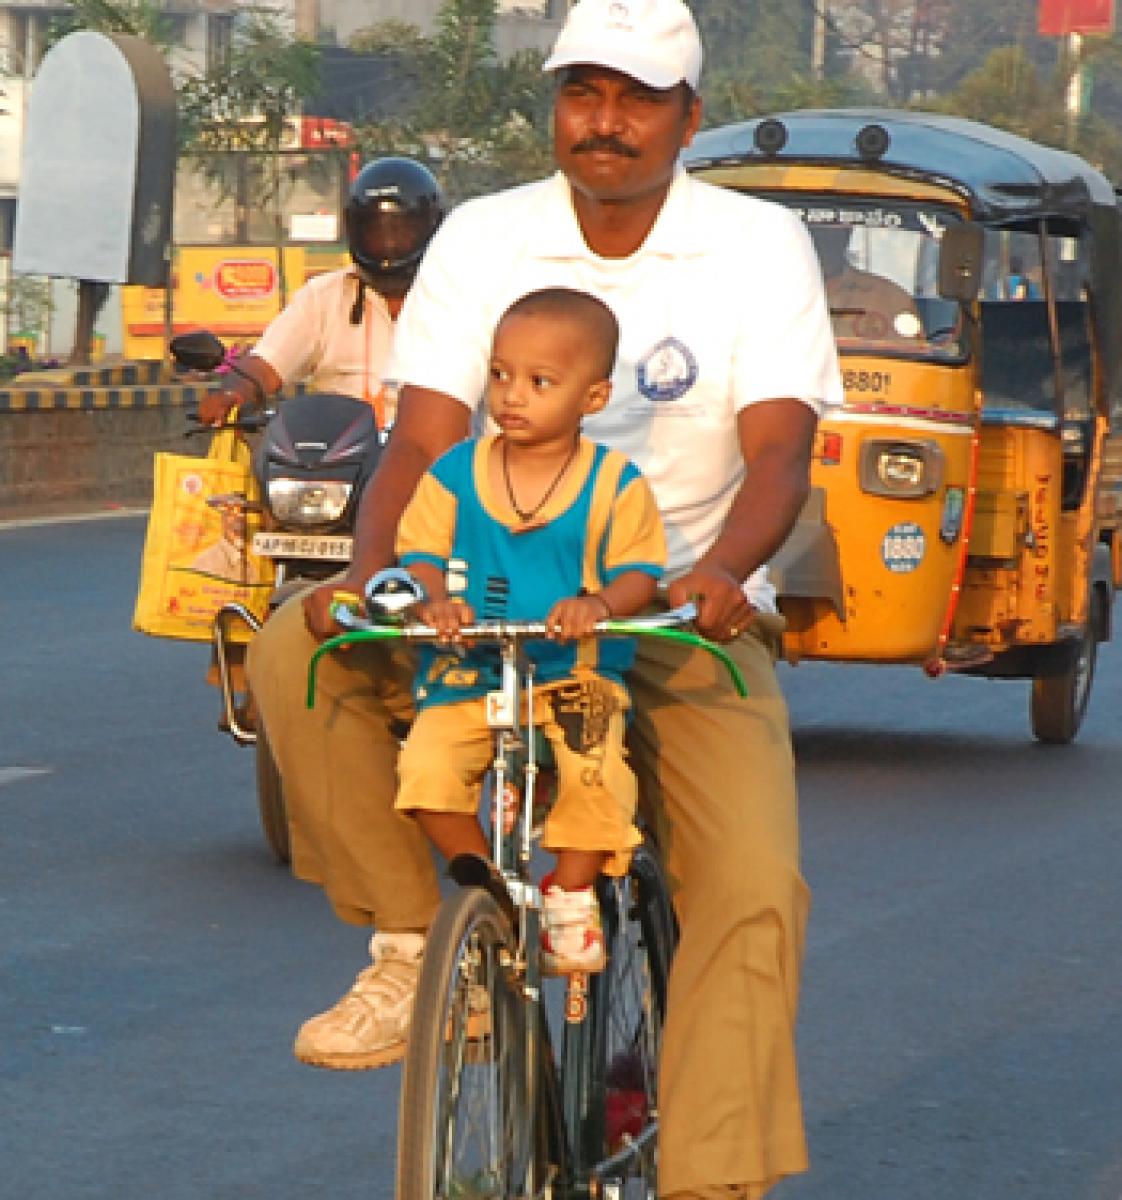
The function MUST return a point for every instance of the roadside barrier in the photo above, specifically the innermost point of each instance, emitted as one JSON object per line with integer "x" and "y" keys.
{"x": 83, "y": 438}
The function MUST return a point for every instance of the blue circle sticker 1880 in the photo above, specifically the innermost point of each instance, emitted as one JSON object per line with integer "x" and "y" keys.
{"x": 903, "y": 547}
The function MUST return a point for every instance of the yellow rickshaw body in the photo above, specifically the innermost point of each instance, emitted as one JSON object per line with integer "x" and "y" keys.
{"x": 966, "y": 498}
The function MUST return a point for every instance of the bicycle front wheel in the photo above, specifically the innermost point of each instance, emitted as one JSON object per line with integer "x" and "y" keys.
{"x": 610, "y": 1068}
{"x": 465, "y": 1127}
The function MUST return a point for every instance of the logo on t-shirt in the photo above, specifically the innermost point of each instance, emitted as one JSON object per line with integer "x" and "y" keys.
{"x": 667, "y": 371}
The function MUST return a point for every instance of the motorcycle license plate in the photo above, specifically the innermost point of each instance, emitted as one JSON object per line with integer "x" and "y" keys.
{"x": 328, "y": 547}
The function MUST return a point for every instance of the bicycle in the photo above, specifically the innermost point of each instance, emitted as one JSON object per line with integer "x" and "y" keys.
{"x": 487, "y": 1108}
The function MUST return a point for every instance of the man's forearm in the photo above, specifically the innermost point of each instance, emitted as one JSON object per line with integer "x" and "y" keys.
{"x": 252, "y": 373}
{"x": 776, "y": 439}
{"x": 428, "y": 423}
{"x": 762, "y": 514}
{"x": 382, "y": 504}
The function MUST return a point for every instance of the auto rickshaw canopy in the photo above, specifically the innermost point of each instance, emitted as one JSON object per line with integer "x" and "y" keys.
{"x": 1003, "y": 180}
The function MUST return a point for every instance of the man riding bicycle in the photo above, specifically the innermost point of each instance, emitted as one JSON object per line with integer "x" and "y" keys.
{"x": 726, "y": 359}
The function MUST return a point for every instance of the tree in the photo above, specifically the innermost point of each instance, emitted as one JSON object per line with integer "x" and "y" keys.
{"x": 390, "y": 37}
{"x": 28, "y": 304}
{"x": 758, "y": 59}
{"x": 244, "y": 103}
{"x": 479, "y": 123}
{"x": 459, "y": 90}
{"x": 141, "y": 18}
{"x": 751, "y": 49}
{"x": 962, "y": 34}
{"x": 1007, "y": 91}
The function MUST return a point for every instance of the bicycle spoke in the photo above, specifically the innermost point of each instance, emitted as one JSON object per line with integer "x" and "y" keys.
{"x": 465, "y": 1130}
{"x": 611, "y": 1060}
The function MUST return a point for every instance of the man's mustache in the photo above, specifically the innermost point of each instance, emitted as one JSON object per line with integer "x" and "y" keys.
{"x": 605, "y": 145}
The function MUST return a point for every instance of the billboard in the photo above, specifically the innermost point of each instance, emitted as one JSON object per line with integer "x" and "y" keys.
{"x": 1060, "y": 17}
{"x": 230, "y": 290}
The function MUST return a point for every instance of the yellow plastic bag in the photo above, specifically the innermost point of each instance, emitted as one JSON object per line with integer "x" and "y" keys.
{"x": 196, "y": 552}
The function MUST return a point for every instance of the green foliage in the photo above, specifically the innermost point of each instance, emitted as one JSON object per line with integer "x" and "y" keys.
{"x": 479, "y": 124}
{"x": 390, "y": 37}
{"x": 28, "y": 304}
{"x": 141, "y": 18}
{"x": 757, "y": 60}
{"x": 243, "y": 102}
{"x": 1008, "y": 89}
{"x": 967, "y": 33}
{"x": 459, "y": 89}
{"x": 750, "y": 48}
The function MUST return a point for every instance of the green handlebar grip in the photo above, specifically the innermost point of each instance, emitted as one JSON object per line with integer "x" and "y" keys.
{"x": 340, "y": 640}
{"x": 689, "y": 639}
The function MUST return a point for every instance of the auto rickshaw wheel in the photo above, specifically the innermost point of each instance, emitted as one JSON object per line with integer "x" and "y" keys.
{"x": 1060, "y": 698}
{"x": 270, "y": 800}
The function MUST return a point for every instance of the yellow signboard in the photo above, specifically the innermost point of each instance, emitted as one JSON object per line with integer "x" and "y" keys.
{"x": 231, "y": 290}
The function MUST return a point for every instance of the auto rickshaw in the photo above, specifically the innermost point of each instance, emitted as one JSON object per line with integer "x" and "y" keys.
{"x": 967, "y": 496}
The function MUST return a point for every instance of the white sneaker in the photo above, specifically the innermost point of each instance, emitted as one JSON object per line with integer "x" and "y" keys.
{"x": 370, "y": 1024}
{"x": 572, "y": 939}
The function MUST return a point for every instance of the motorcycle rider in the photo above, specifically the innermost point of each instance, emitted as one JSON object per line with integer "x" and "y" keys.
{"x": 336, "y": 332}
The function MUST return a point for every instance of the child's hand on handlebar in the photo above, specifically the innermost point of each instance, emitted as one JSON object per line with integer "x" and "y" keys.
{"x": 447, "y": 617}
{"x": 576, "y": 617}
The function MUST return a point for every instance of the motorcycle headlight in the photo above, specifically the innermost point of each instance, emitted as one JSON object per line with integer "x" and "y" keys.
{"x": 308, "y": 501}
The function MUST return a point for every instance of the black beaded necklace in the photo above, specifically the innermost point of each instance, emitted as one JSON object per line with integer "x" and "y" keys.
{"x": 523, "y": 515}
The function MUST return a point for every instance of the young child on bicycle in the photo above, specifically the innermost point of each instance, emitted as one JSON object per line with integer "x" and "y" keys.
{"x": 535, "y": 523}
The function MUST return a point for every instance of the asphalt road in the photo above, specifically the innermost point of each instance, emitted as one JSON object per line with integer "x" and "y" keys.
{"x": 961, "y": 1025}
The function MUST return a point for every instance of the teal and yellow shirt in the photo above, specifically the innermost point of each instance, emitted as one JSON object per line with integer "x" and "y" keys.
{"x": 602, "y": 522}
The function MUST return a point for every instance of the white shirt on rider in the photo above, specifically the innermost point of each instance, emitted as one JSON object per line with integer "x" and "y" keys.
{"x": 721, "y": 307}
{"x": 313, "y": 341}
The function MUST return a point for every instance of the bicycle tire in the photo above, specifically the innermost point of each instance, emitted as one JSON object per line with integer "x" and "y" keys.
{"x": 467, "y": 1124}
{"x": 270, "y": 800}
{"x": 610, "y": 1060}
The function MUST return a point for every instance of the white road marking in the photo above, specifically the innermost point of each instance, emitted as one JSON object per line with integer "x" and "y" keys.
{"x": 71, "y": 518}
{"x": 15, "y": 774}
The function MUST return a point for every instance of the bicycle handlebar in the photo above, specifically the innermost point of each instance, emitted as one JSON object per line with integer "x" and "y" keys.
{"x": 665, "y": 625}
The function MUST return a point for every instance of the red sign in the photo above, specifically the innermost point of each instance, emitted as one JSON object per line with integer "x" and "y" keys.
{"x": 1059, "y": 17}
{"x": 245, "y": 278}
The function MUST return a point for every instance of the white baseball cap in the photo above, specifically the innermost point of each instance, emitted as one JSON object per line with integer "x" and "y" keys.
{"x": 654, "y": 41}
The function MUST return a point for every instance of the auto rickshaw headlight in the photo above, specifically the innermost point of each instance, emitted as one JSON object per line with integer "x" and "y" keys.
{"x": 900, "y": 468}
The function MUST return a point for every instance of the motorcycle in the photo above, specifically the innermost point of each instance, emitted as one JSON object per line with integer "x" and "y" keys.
{"x": 313, "y": 456}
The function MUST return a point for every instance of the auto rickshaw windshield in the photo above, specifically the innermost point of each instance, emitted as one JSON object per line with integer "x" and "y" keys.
{"x": 880, "y": 266}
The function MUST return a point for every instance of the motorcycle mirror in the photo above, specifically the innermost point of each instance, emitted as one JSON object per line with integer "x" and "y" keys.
{"x": 199, "y": 350}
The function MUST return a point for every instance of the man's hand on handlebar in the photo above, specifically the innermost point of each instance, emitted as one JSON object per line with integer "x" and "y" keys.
{"x": 215, "y": 407}
{"x": 317, "y": 607}
{"x": 723, "y": 611}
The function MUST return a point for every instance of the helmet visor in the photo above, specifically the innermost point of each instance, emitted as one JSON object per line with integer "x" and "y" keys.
{"x": 387, "y": 237}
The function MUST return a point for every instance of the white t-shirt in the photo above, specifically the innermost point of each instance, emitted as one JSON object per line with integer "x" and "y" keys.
{"x": 313, "y": 341}
{"x": 721, "y": 307}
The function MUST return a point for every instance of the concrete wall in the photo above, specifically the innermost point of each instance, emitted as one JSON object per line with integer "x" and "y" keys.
{"x": 82, "y": 447}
